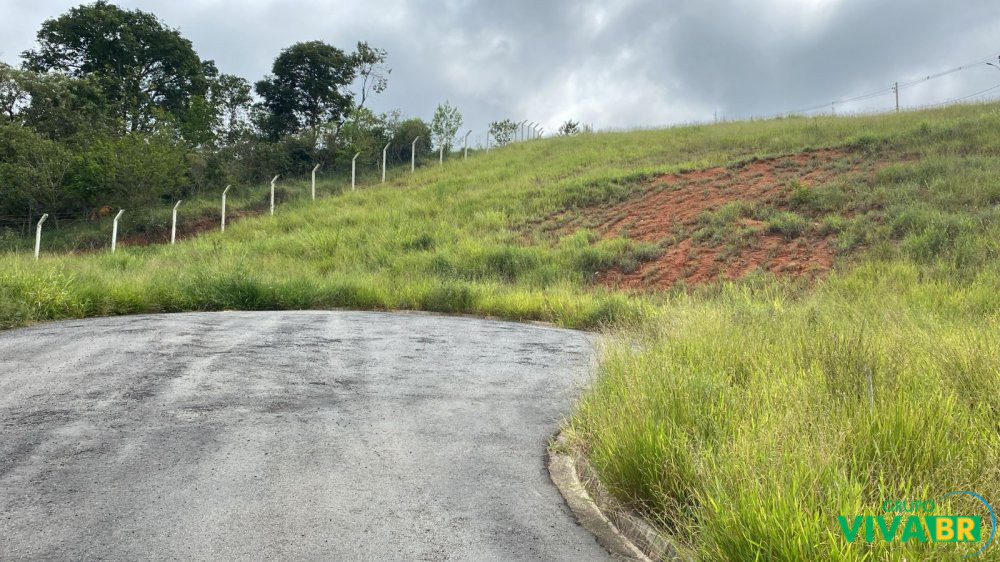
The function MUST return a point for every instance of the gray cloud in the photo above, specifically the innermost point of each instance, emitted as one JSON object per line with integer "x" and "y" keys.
{"x": 611, "y": 64}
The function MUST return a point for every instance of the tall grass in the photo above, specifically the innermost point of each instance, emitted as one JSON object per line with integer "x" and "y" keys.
{"x": 744, "y": 423}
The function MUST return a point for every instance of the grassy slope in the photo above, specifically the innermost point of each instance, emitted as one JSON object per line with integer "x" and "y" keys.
{"x": 196, "y": 212}
{"x": 742, "y": 422}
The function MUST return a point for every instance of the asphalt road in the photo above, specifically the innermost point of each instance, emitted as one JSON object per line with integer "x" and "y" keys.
{"x": 286, "y": 435}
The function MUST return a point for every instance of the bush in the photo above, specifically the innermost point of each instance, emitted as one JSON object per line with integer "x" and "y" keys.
{"x": 32, "y": 169}
{"x": 803, "y": 197}
{"x": 787, "y": 223}
{"x": 402, "y": 140}
{"x": 137, "y": 167}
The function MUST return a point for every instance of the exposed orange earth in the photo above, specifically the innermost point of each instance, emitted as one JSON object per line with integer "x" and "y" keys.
{"x": 667, "y": 211}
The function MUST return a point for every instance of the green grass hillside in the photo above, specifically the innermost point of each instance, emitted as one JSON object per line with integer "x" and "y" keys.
{"x": 742, "y": 416}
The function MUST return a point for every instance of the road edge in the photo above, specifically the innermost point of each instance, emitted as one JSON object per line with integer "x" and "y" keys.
{"x": 623, "y": 534}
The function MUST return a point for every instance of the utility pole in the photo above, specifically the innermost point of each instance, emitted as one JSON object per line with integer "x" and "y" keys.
{"x": 895, "y": 88}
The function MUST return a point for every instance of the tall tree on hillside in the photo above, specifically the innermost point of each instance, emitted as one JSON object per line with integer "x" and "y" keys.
{"x": 231, "y": 98}
{"x": 58, "y": 106}
{"x": 445, "y": 125}
{"x": 144, "y": 67}
{"x": 68, "y": 109}
{"x": 308, "y": 88}
{"x": 372, "y": 70}
{"x": 220, "y": 116}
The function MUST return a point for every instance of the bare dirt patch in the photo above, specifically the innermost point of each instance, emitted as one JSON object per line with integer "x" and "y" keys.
{"x": 676, "y": 212}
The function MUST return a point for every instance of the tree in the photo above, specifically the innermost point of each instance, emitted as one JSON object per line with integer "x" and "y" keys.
{"x": 402, "y": 139}
{"x": 365, "y": 132}
{"x": 32, "y": 170}
{"x": 13, "y": 90}
{"x": 372, "y": 70}
{"x": 221, "y": 115}
{"x": 445, "y": 125}
{"x": 230, "y": 95}
{"x": 307, "y": 88}
{"x": 139, "y": 167}
{"x": 503, "y": 131}
{"x": 67, "y": 109}
{"x": 145, "y": 69}
{"x": 55, "y": 105}
{"x": 570, "y": 127}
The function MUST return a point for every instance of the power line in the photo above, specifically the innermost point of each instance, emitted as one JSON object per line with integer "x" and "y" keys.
{"x": 963, "y": 98}
{"x": 965, "y": 66}
{"x": 895, "y": 88}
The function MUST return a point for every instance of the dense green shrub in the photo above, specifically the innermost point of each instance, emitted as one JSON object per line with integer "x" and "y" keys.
{"x": 137, "y": 167}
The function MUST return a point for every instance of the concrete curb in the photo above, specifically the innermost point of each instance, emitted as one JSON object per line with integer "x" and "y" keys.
{"x": 626, "y": 535}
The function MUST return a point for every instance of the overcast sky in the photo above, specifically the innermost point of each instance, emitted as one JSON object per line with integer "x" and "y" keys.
{"x": 611, "y": 64}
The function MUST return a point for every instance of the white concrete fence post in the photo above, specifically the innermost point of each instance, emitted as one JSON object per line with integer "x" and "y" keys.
{"x": 173, "y": 224}
{"x": 413, "y": 155}
{"x": 38, "y": 234}
{"x": 487, "y": 141}
{"x": 520, "y": 126}
{"x": 114, "y": 231}
{"x": 466, "y": 157}
{"x": 274, "y": 179}
{"x": 316, "y": 167}
{"x": 224, "y": 191}
{"x": 441, "y": 155}
{"x": 384, "y": 151}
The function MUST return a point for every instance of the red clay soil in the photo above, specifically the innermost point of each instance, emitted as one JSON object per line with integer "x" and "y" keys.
{"x": 667, "y": 212}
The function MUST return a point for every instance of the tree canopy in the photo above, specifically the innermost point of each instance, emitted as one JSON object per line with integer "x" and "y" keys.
{"x": 308, "y": 87}
{"x": 445, "y": 125}
{"x": 503, "y": 131}
{"x": 144, "y": 68}
{"x": 372, "y": 71}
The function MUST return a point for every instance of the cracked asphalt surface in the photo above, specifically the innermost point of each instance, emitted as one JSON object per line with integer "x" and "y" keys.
{"x": 289, "y": 435}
